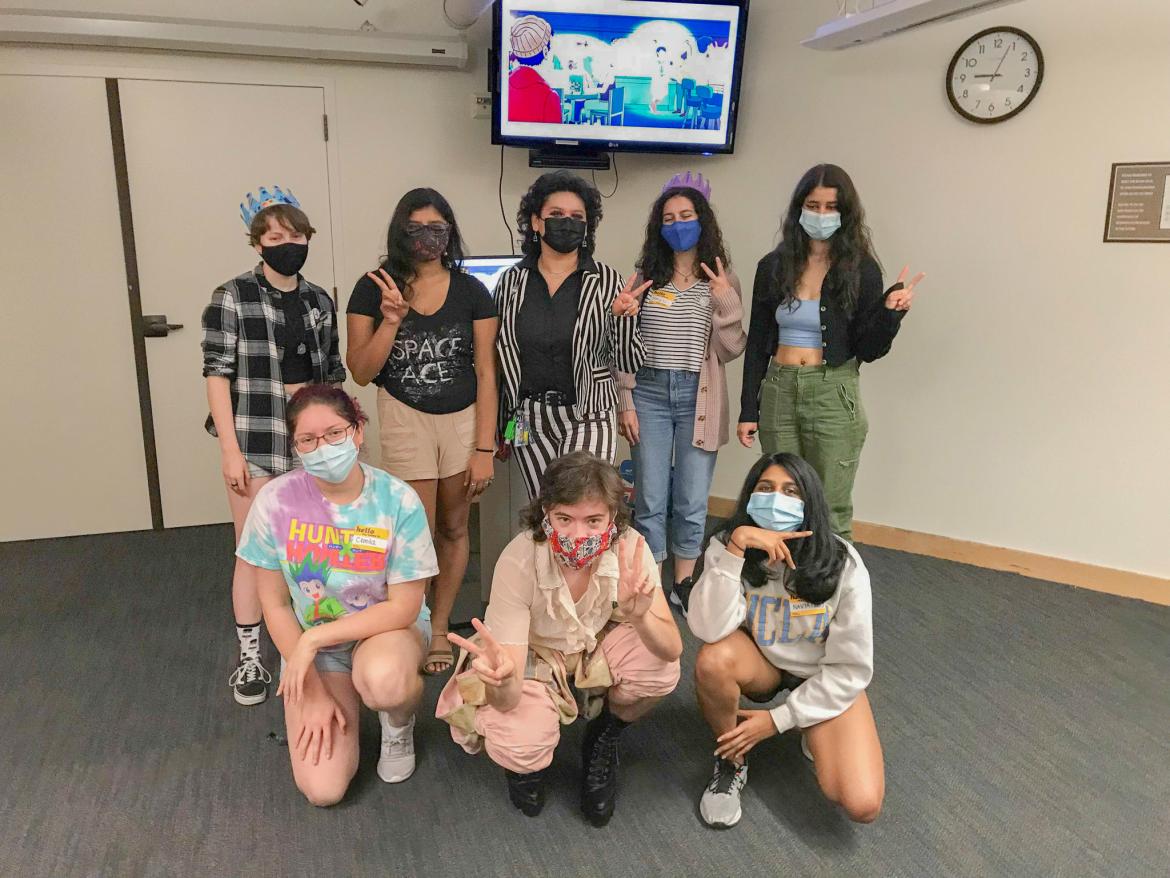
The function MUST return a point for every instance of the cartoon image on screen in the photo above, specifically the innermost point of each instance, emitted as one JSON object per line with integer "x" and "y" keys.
{"x": 627, "y": 71}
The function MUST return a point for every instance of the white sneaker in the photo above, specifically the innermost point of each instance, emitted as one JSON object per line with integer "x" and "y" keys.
{"x": 396, "y": 762}
{"x": 720, "y": 806}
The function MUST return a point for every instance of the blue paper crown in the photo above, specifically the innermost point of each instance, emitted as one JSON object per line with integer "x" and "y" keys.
{"x": 252, "y": 206}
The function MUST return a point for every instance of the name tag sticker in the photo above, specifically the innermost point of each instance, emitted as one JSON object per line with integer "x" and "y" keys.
{"x": 371, "y": 539}
{"x": 661, "y": 298}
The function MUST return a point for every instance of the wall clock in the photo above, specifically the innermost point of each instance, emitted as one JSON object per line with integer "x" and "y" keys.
{"x": 994, "y": 75}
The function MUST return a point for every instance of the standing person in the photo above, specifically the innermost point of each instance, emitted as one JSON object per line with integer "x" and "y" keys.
{"x": 341, "y": 552}
{"x": 674, "y": 411}
{"x": 266, "y": 333}
{"x": 424, "y": 331}
{"x": 818, "y": 313}
{"x": 782, "y": 603}
{"x": 576, "y": 614}
{"x": 566, "y": 322}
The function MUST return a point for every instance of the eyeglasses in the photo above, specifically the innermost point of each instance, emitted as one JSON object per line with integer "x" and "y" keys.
{"x": 416, "y": 229}
{"x": 334, "y": 436}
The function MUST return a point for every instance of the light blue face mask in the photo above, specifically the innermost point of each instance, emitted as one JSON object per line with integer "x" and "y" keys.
{"x": 331, "y": 463}
{"x": 819, "y": 226}
{"x": 772, "y": 510}
{"x": 682, "y": 235}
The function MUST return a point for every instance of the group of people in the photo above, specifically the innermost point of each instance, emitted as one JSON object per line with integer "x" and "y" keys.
{"x": 354, "y": 569}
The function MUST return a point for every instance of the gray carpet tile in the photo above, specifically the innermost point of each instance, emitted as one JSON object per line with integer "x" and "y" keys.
{"x": 1024, "y": 726}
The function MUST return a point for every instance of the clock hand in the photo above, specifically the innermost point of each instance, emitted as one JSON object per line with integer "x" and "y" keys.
{"x": 1000, "y": 64}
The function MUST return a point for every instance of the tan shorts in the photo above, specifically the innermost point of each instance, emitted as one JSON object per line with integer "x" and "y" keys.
{"x": 418, "y": 446}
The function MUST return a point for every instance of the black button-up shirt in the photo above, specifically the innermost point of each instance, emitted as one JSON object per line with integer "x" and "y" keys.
{"x": 544, "y": 330}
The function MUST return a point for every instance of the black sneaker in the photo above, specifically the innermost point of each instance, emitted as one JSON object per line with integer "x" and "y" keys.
{"x": 249, "y": 681}
{"x": 526, "y": 791}
{"x": 599, "y": 763}
{"x": 680, "y": 595}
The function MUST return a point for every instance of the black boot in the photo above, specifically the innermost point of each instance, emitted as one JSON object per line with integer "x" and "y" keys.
{"x": 526, "y": 791}
{"x": 599, "y": 764}
{"x": 680, "y": 595}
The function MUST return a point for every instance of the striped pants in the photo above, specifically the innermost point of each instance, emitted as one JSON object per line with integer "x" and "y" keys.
{"x": 555, "y": 431}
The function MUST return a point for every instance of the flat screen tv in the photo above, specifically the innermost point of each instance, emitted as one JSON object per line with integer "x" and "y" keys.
{"x": 617, "y": 75}
{"x": 488, "y": 268}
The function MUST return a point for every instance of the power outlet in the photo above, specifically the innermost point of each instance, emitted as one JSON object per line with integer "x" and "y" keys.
{"x": 481, "y": 106}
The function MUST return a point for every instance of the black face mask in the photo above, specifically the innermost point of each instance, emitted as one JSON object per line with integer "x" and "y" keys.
{"x": 285, "y": 259}
{"x": 564, "y": 233}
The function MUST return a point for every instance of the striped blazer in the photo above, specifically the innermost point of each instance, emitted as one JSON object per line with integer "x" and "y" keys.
{"x": 601, "y": 341}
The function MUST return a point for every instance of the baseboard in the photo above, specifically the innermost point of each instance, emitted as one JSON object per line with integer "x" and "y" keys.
{"x": 1123, "y": 583}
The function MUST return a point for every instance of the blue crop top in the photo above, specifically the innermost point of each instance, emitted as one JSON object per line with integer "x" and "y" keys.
{"x": 800, "y": 323}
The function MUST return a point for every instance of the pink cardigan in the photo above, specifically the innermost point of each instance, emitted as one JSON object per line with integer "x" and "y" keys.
{"x": 727, "y": 341}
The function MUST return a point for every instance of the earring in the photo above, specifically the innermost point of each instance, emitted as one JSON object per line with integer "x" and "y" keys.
{"x": 535, "y": 237}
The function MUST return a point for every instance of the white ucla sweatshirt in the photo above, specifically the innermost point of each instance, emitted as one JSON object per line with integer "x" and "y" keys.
{"x": 830, "y": 644}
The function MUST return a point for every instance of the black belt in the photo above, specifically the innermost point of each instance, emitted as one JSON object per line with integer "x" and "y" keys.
{"x": 548, "y": 397}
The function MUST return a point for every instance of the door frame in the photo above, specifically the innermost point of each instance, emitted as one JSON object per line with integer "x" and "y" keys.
{"x": 113, "y": 74}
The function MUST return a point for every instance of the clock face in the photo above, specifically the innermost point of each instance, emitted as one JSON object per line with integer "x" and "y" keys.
{"x": 995, "y": 75}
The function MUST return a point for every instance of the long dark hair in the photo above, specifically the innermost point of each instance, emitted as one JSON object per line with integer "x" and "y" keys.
{"x": 657, "y": 260}
{"x": 849, "y": 246}
{"x": 819, "y": 558}
{"x": 570, "y": 479}
{"x": 400, "y": 261}
{"x": 539, "y": 192}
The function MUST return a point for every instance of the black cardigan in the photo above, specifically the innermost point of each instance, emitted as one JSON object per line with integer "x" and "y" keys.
{"x": 866, "y": 334}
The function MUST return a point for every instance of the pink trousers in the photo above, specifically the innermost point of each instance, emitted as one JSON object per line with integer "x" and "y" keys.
{"x": 523, "y": 739}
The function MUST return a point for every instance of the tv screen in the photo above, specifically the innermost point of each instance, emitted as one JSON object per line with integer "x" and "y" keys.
{"x": 489, "y": 268}
{"x": 615, "y": 75}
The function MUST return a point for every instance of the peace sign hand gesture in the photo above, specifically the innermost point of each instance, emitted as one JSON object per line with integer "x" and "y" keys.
{"x": 492, "y": 664}
{"x": 635, "y": 590}
{"x": 393, "y": 306}
{"x": 629, "y": 300}
{"x": 720, "y": 283}
{"x": 902, "y": 293}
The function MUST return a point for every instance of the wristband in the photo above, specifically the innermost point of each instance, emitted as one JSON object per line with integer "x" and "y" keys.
{"x": 487, "y": 450}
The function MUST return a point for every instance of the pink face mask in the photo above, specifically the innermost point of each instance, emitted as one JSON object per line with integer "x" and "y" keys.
{"x": 576, "y": 554}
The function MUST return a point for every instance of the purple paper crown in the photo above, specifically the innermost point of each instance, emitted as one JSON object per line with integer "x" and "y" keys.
{"x": 690, "y": 181}
{"x": 251, "y": 206}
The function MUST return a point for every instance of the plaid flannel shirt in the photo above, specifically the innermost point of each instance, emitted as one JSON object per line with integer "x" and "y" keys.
{"x": 239, "y": 343}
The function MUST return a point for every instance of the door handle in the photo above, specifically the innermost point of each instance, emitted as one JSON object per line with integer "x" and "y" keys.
{"x": 156, "y": 326}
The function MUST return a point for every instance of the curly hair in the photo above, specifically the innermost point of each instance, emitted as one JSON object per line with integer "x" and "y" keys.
{"x": 400, "y": 261}
{"x": 848, "y": 247}
{"x": 571, "y": 479}
{"x": 538, "y": 193}
{"x": 324, "y": 394}
{"x": 657, "y": 260}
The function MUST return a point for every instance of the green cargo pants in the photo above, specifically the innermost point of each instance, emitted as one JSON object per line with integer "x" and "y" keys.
{"x": 816, "y": 412}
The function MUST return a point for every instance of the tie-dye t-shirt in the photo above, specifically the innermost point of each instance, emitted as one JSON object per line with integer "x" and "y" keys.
{"x": 339, "y": 559}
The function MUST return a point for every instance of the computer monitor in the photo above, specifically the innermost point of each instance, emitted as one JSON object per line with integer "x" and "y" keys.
{"x": 489, "y": 268}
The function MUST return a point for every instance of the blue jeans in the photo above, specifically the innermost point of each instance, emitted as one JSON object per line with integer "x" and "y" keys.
{"x": 664, "y": 400}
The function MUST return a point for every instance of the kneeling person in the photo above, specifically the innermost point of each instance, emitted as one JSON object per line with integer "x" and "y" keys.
{"x": 343, "y": 553}
{"x": 786, "y": 615}
{"x": 577, "y": 622}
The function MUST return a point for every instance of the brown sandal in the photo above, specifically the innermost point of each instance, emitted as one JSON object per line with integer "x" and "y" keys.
{"x": 444, "y": 658}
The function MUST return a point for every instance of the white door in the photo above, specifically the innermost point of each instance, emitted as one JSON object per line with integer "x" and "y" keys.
{"x": 73, "y": 460}
{"x": 193, "y": 150}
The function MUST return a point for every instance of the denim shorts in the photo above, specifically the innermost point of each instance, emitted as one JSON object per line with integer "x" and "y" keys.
{"x": 339, "y": 659}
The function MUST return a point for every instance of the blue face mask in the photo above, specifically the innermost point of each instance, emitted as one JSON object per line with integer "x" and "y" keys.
{"x": 331, "y": 463}
{"x": 819, "y": 226}
{"x": 683, "y": 234}
{"x": 774, "y": 511}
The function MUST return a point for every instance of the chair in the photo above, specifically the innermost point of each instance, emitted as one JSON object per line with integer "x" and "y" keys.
{"x": 711, "y": 112}
{"x": 605, "y": 111}
{"x": 695, "y": 103}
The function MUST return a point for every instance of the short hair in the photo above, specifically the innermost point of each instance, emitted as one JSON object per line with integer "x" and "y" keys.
{"x": 292, "y": 218}
{"x": 571, "y": 479}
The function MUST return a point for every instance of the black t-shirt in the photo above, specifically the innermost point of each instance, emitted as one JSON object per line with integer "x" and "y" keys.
{"x": 431, "y": 366}
{"x": 296, "y": 365}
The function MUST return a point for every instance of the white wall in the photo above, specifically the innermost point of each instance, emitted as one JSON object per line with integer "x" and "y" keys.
{"x": 1026, "y": 400}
